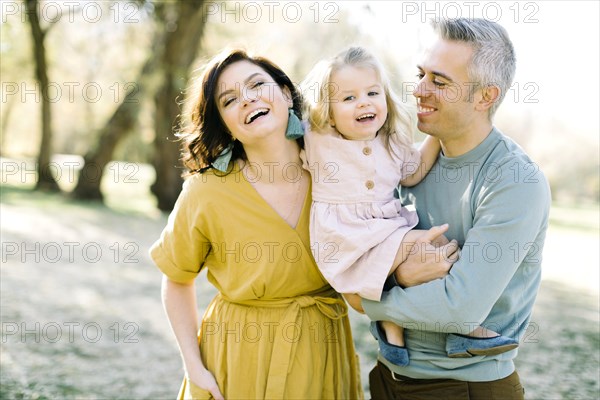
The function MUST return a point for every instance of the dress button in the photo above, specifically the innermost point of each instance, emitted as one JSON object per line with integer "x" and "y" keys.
{"x": 367, "y": 151}
{"x": 370, "y": 184}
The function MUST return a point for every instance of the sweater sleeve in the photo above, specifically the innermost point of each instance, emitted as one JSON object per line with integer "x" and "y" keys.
{"x": 509, "y": 224}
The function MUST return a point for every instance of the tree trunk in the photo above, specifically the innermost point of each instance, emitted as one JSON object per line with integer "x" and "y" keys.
{"x": 119, "y": 125}
{"x": 45, "y": 179}
{"x": 181, "y": 48}
{"x": 7, "y": 109}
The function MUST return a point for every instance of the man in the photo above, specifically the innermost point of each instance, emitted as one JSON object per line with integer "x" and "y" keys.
{"x": 496, "y": 202}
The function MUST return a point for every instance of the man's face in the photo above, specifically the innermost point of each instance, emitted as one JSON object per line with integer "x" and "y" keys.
{"x": 446, "y": 109}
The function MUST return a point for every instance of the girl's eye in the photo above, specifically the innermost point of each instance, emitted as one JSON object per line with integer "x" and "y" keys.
{"x": 420, "y": 75}
{"x": 373, "y": 93}
{"x": 348, "y": 98}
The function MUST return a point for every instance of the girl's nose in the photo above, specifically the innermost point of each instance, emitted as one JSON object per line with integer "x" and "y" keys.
{"x": 364, "y": 101}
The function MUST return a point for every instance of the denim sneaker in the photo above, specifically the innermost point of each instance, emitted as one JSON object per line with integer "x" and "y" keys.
{"x": 397, "y": 355}
{"x": 461, "y": 346}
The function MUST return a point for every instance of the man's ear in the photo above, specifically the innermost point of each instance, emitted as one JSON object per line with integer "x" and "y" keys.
{"x": 489, "y": 95}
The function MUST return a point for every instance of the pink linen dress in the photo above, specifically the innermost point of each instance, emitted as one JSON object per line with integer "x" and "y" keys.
{"x": 356, "y": 223}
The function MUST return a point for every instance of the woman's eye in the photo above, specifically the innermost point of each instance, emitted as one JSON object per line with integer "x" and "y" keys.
{"x": 439, "y": 84}
{"x": 420, "y": 76}
{"x": 373, "y": 93}
{"x": 228, "y": 101}
{"x": 256, "y": 84}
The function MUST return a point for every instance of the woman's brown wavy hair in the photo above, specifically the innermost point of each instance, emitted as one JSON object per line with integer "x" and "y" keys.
{"x": 206, "y": 136}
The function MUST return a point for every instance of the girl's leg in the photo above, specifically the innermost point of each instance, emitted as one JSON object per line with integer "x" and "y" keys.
{"x": 405, "y": 247}
{"x": 393, "y": 332}
{"x": 407, "y": 244}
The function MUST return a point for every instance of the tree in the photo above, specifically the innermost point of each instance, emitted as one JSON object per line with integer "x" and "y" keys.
{"x": 45, "y": 180}
{"x": 118, "y": 126}
{"x": 179, "y": 28}
{"x": 181, "y": 47}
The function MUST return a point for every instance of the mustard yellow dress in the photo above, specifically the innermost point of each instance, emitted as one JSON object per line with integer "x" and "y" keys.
{"x": 276, "y": 329}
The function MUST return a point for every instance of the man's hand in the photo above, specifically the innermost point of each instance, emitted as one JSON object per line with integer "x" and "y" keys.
{"x": 428, "y": 259}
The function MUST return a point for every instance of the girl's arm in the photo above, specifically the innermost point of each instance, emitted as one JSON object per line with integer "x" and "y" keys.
{"x": 179, "y": 301}
{"x": 430, "y": 149}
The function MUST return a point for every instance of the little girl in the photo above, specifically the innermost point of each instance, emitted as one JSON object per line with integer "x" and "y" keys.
{"x": 357, "y": 152}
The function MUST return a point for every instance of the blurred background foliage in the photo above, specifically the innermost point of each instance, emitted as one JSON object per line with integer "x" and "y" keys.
{"x": 104, "y": 56}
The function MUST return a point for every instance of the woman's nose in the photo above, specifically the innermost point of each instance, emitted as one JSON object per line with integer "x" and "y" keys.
{"x": 249, "y": 96}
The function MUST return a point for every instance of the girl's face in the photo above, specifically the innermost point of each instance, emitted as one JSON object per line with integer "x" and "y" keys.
{"x": 358, "y": 104}
{"x": 252, "y": 105}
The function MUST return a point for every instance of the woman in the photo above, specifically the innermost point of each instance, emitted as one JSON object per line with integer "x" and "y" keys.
{"x": 276, "y": 329}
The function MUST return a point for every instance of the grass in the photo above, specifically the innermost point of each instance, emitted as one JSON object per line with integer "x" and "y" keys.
{"x": 581, "y": 219}
{"x": 561, "y": 361}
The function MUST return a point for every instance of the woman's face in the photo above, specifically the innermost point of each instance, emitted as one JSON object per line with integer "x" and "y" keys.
{"x": 251, "y": 104}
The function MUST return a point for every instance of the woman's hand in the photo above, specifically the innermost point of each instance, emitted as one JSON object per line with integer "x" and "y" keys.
{"x": 205, "y": 380}
{"x": 429, "y": 258}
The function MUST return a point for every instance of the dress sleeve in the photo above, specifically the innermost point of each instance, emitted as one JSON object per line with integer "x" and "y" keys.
{"x": 182, "y": 247}
{"x": 407, "y": 157}
{"x": 410, "y": 162}
{"x": 305, "y": 153}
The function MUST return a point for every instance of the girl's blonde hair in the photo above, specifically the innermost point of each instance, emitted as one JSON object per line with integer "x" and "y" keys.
{"x": 318, "y": 92}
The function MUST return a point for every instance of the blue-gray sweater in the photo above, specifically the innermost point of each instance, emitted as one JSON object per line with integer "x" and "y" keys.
{"x": 496, "y": 201}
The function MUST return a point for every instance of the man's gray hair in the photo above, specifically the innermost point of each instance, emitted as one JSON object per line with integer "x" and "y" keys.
{"x": 493, "y": 62}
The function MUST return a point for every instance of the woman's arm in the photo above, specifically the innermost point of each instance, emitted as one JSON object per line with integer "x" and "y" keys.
{"x": 430, "y": 149}
{"x": 179, "y": 301}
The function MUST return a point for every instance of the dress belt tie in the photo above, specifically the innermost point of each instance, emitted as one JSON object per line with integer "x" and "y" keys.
{"x": 284, "y": 349}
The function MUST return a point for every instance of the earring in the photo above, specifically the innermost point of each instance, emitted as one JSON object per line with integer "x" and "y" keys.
{"x": 294, "y": 129}
{"x": 222, "y": 161}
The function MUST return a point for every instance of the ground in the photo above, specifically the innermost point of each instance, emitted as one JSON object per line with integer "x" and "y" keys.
{"x": 82, "y": 318}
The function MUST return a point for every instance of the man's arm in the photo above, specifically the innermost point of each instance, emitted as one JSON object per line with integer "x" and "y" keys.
{"x": 509, "y": 216}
